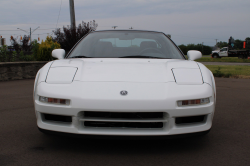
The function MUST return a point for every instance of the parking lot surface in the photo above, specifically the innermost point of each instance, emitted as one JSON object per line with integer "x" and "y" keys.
{"x": 228, "y": 143}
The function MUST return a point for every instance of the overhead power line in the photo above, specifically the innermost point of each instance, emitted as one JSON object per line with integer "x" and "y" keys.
{"x": 59, "y": 14}
{"x": 9, "y": 30}
{"x": 28, "y": 30}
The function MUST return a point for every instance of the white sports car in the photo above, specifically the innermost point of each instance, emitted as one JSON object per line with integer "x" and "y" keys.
{"x": 125, "y": 83}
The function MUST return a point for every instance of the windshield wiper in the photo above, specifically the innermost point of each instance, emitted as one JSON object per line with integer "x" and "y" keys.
{"x": 80, "y": 56}
{"x": 142, "y": 56}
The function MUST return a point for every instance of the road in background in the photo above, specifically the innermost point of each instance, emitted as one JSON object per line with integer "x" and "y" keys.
{"x": 227, "y": 144}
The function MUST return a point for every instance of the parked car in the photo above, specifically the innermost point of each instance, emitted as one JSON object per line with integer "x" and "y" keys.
{"x": 125, "y": 83}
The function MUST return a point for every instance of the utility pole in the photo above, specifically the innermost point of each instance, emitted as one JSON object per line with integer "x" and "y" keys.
{"x": 72, "y": 13}
{"x": 216, "y": 41}
{"x": 30, "y": 35}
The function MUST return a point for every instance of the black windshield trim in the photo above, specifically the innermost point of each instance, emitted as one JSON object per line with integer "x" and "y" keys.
{"x": 80, "y": 56}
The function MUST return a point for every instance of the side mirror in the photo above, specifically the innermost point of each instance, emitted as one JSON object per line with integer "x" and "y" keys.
{"x": 58, "y": 53}
{"x": 192, "y": 55}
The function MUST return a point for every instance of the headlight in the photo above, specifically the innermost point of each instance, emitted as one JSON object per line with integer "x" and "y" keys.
{"x": 54, "y": 100}
{"x": 193, "y": 102}
{"x": 187, "y": 76}
{"x": 61, "y": 75}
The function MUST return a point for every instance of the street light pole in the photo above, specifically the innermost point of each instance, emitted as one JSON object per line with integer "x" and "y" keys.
{"x": 72, "y": 13}
{"x": 29, "y": 32}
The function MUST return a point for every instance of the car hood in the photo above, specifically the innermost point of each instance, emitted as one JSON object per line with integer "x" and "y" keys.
{"x": 124, "y": 70}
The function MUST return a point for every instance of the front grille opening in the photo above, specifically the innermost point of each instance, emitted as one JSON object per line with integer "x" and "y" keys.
{"x": 123, "y": 115}
{"x": 190, "y": 119}
{"x": 57, "y": 118}
{"x": 124, "y": 124}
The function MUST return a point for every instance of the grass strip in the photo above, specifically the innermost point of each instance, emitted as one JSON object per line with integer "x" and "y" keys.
{"x": 224, "y": 59}
{"x": 230, "y": 71}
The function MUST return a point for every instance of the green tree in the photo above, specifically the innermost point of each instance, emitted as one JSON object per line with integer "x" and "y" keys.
{"x": 191, "y": 47}
{"x": 15, "y": 44}
{"x": 70, "y": 35}
{"x": 45, "y": 49}
{"x": 14, "y": 55}
{"x": 238, "y": 44}
{"x": 205, "y": 50}
{"x": 183, "y": 49}
{"x": 221, "y": 44}
{"x": 35, "y": 48}
{"x": 3, "y": 53}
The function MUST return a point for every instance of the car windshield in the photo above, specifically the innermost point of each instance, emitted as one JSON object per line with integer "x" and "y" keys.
{"x": 126, "y": 44}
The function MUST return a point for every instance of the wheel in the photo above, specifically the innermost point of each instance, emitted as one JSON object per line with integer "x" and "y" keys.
{"x": 216, "y": 56}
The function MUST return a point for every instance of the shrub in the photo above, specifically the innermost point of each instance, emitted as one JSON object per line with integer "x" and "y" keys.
{"x": 218, "y": 73}
{"x": 3, "y": 53}
{"x": 22, "y": 56}
{"x": 14, "y": 55}
{"x": 35, "y": 48}
{"x": 45, "y": 49}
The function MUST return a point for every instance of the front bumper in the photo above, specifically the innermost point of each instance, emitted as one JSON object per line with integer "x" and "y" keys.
{"x": 142, "y": 97}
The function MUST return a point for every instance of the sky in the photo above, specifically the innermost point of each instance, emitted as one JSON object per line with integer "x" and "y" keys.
{"x": 188, "y": 21}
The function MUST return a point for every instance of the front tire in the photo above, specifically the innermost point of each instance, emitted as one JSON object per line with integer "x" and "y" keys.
{"x": 216, "y": 56}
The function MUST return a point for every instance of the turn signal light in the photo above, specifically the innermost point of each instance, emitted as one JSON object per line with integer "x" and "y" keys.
{"x": 54, "y": 100}
{"x": 193, "y": 102}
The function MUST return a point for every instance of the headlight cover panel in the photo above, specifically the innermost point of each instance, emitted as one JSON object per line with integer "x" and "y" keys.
{"x": 61, "y": 75}
{"x": 187, "y": 76}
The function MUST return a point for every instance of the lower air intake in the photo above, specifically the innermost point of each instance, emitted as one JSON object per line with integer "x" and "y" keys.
{"x": 124, "y": 115}
{"x": 142, "y": 120}
{"x": 124, "y": 124}
{"x": 190, "y": 119}
{"x": 57, "y": 118}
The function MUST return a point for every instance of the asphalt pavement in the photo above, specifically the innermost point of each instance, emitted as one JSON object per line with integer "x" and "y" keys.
{"x": 228, "y": 143}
